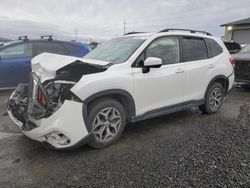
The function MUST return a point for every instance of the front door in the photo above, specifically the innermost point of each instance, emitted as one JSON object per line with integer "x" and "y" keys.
{"x": 160, "y": 87}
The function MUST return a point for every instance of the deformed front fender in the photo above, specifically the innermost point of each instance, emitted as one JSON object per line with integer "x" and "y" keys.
{"x": 121, "y": 95}
{"x": 114, "y": 83}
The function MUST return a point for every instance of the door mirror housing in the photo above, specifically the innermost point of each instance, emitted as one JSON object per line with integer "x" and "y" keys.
{"x": 151, "y": 62}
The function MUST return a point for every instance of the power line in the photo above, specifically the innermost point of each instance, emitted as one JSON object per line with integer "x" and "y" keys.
{"x": 124, "y": 27}
{"x": 75, "y": 34}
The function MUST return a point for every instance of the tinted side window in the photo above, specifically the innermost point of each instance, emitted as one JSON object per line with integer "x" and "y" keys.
{"x": 165, "y": 48}
{"x": 50, "y": 47}
{"x": 72, "y": 48}
{"x": 194, "y": 49}
{"x": 213, "y": 47}
{"x": 20, "y": 50}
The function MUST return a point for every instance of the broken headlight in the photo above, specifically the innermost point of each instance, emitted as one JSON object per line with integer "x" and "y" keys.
{"x": 46, "y": 99}
{"x": 58, "y": 92}
{"x": 37, "y": 99}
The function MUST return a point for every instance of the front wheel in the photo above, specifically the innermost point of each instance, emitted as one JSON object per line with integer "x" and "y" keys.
{"x": 214, "y": 99}
{"x": 107, "y": 117}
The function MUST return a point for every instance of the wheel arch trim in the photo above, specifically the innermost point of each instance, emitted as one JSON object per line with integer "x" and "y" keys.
{"x": 226, "y": 83}
{"x": 128, "y": 103}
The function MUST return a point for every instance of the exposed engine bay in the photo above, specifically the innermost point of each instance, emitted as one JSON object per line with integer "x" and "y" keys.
{"x": 18, "y": 103}
{"x": 56, "y": 93}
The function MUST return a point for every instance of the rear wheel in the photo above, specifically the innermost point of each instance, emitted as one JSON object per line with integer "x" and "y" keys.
{"x": 107, "y": 117}
{"x": 214, "y": 99}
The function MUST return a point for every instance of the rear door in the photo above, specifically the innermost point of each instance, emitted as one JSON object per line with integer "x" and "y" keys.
{"x": 196, "y": 59}
{"x": 15, "y": 64}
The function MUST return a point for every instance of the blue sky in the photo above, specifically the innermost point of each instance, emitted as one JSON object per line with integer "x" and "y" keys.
{"x": 104, "y": 18}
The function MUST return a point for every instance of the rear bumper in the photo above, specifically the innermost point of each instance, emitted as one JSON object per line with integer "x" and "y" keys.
{"x": 242, "y": 70}
{"x": 242, "y": 80}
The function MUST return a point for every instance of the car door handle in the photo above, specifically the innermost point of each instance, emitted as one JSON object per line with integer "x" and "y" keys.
{"x": 211, "y": 66}
{"x": 179, "y": 71}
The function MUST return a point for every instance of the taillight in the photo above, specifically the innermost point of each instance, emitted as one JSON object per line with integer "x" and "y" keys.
{"x": 232, "y": 60}
{"x": 41, "y": 98}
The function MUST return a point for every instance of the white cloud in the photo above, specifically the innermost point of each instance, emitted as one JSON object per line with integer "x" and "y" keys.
{"x": 104, "y": 18}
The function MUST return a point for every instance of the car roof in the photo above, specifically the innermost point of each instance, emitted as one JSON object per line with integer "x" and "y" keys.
{"x": 181, "y": 33}
{"x": 9, "y": 43}
{"x": 38, "y": 40}
{"x": 139, "y": 35}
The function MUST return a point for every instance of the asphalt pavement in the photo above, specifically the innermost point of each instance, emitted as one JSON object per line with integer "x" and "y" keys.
{"x": 184, "y": 149}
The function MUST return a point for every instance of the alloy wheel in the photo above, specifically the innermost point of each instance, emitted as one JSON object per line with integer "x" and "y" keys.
{"x": 106, "y": 124}
{"x": 215, "y": 99}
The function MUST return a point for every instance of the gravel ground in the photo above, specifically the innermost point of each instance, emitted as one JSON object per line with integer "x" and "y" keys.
{"x": 185, "y": 149}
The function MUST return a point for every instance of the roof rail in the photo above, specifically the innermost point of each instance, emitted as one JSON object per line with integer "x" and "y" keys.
{"x": 49, "y": 37}
{"x": 189, "y": 30}
{"x": 131, "y": 33}
{"x": 24, "y": 38}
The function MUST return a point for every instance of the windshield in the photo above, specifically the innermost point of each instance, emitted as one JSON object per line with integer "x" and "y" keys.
{"x": 246, "y": 49}
{"x": 116, "y": 50}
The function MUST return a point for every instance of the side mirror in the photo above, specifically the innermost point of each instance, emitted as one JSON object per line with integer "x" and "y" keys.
{"x": 151, "y": 62}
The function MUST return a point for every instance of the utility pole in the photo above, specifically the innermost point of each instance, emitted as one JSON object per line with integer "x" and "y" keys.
{"x": 75, "y": 34}
{"x": 124, "y": 27}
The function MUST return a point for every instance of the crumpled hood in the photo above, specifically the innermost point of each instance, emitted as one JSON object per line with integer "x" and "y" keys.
{"x": 46, "y": 64}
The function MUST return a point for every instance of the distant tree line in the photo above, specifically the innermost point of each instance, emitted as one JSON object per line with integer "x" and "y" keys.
{"x": 4, "y": 40}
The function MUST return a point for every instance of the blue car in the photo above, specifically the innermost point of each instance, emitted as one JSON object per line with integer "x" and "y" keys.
{"x": 15, "y": 57}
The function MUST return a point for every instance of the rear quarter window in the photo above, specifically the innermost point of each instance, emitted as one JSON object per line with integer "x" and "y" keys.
{"x": 213, "y": 47}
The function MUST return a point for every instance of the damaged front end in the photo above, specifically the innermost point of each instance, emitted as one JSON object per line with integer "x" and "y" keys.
{"x": 32, "y": 102}
{"x": 46, "y": 109}
{"x": 17, "y": 105}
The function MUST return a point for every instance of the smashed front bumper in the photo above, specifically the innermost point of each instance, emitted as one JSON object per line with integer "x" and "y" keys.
{"x": 64, "y": 129}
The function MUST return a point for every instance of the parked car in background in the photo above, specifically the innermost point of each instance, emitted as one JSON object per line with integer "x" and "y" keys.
{"x": 242, "y": 65}
{"x": 75, "y": 101}
{"x": 94, "y": 45}
{"x": 233, "y": 47}
{"x": 242, "y": 45}
{"x": 15, "y": 57}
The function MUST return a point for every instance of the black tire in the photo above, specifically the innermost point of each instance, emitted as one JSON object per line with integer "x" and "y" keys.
{"x": 208, "y": 107}
{"x": 98, "y": 108}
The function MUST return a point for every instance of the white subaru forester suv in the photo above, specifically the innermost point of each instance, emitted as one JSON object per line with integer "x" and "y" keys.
{"x": 74, "y": 101}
